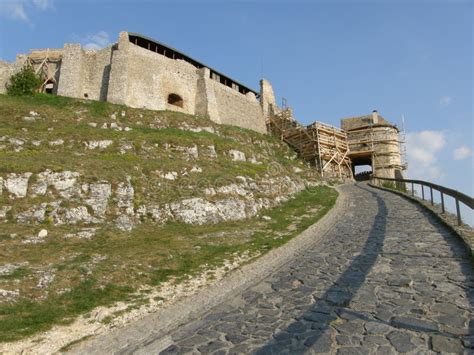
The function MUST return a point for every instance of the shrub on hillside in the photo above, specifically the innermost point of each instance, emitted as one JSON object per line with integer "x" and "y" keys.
{"x": 25, "y": 82}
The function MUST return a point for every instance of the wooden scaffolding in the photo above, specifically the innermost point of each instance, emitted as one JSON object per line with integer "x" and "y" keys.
{"x": 46, "y": 64}
{"x": 320, "y": 144}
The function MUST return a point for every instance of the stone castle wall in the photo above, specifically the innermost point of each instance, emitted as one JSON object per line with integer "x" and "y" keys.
{"x": 128, "y": 74}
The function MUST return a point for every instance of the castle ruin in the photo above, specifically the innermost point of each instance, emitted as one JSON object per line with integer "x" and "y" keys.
{"x": 141, "y": 72}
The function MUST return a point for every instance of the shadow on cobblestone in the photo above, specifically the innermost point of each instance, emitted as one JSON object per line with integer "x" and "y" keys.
{"x": 312, "y": 328}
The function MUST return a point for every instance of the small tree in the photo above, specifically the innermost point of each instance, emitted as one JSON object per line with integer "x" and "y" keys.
{"x": 25, "y": 82}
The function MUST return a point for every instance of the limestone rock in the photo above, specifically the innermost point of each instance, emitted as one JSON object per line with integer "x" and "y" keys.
{"x": 195, "y": 211}
{"x": 17, "y": 184}
{"x": 64, "y": 182}
{"x": 7, "y": 269}
{"x": 9, "y": 294}
{"x": 43, "y": 233}
{"x": 99, "y": 195}
{"x": 98, "y": 144}
{"x": 211, "y": 151}
{"x": 86, "y": 233}
{"x": 56, "y": 142}
{"x": 237, "y": 155}
{"x": 124, "y": 222}
{"x": 199, "y": 211}
{"x": 3, "y": 211}
{"x": 45, "y": 279}
{"x": 73, "y": 215}
{"x": 124, "y": 195}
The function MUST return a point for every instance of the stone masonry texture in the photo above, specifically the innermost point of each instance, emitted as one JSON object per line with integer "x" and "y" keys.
{"x": 388, "y": 278}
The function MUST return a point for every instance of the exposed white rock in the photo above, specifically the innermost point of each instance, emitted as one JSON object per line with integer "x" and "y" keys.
{"x": 210, "y": 191}
{"x": 16, "y": 141}
{"x": 7, "y": 269}
{"x": 45, "y": 279}
{"x": 192, "y": 151}
{"x": 171, "y": 175}
{"x": 36, "y": 143}
{"x": 92, "y": 124}
{"x": 43, "y": 233}
{"x": 199, "y": 211}
{"x": 8, "y": 294}
{"x": 61, "y": 181}
{"x": 115, "y": 126}
{"x": 123, "y": 113}
{"x": 195, "y": 211}
{"x": 231, "y": 209}
{"x": 17, "y": 184}
{"x": 266, "y": 218}
{"x": 33, "y": 240}
{"x": 3, "y": 211}
{"x": 160, "y": 215}
{"x": 124, "y": 195}
{"x": 33, "y": 113}
{"x": 124, "y": 222}
{"x": 234, "y": 189}
{"x": 75, "y": 215}
{"x": 211, "y": 152}
{"x": 237, "y": 155}
{"x": 86, "y": 233}
{"x": 196, "y": 169}
{"x": 56, "y": 142}
{"x": 297, "y": 170}
{"x": 125, "y": 147}
{"x": 127, "y": 129}
{"x": 102, "y": 144}
{"x": 113, "y": 116}
{"x": 254, "y": 160}
{"x": 99, "y": 195}
{"x": 33, "y": 214}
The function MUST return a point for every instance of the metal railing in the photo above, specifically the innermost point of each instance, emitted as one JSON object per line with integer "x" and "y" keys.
{"x": 458, "y": 196}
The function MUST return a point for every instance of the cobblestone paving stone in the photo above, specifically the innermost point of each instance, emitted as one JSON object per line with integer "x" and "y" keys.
{"x": 389, "y": 278}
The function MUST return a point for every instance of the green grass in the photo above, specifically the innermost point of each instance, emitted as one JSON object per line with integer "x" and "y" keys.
{"x": 114, "y": 264}
{"x": 129, "y": 258}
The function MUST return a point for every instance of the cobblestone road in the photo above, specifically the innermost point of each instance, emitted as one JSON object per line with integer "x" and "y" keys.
{"x": 389, "y": 278}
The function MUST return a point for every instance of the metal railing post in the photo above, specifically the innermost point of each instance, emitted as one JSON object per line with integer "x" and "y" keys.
{"x": 431, "y": 193}
{"x": 442, "y": 201}
{"x": 422, "y": 191}
{"x": 458, "y": 212}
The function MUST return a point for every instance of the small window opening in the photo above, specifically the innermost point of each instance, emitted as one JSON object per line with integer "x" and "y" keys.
{"x": 86, "y": 95}
{"x": 49, "y": 87}
{"x": 176, "y": 100}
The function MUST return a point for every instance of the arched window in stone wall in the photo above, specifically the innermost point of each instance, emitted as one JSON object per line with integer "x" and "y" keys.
{"x": 176, "y": 100}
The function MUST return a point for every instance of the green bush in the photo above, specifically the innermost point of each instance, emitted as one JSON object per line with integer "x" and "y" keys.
{"x": 25, "y": 82}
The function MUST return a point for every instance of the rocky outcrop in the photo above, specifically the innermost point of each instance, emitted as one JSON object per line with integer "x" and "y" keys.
{"x": 17, "y": 184}
{"x": 77, "y": 202}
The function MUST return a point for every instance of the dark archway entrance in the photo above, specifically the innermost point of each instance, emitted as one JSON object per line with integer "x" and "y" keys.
{"x": 362, "y": 167}
{"x": 175, "y": 100}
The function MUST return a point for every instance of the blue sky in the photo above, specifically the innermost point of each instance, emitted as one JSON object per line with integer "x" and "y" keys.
{"x": 329, "y": 59}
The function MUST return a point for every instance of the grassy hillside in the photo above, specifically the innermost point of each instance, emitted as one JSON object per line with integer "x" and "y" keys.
{"x": 130, "y": 198}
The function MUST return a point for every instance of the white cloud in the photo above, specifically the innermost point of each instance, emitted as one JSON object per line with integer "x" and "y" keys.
{"x": 96, "y": 41}
{"x": 43, "y": 4}
{"x": 14, "y": 9}
{"x": 462, "y": 153}
{"x": 422, "y": 153}
{"x": 445, "y": 100}
{"x": 18, "y": 9}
